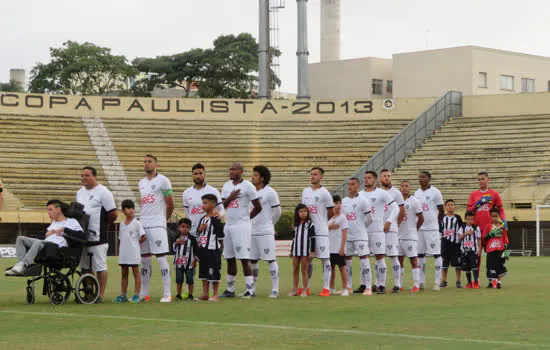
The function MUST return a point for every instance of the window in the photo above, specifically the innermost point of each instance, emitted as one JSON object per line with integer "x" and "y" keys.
{"x": 389, "y": 86}
{"x": 527, "y": 85}
{"x": 507, "y": 82}
{"x": 482, "y": 80}
{"x": 377, "y": 86}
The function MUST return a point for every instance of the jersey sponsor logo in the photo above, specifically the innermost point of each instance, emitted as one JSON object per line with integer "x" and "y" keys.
{"x": 197, "y": 210}
{"x": 425, "y": 207}
{"x": 448, "y": 233}
{"x": 495, "y": 244}
{"x": 483, "y": 207}
{"x": 182, "y": 260}
{"x": 468, "y": 244}
{"x": 234, "y": 204}
{"x": 351, "y": 216}
{"x": 150, "y": 199}
{"x": 313, "y": 209}
{"x": 386, "y": 207}
{"x": 203, "y": 240}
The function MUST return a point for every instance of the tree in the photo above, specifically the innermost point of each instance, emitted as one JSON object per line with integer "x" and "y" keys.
{"x": 84, "y": 69}
{"x": 12, "y": 86}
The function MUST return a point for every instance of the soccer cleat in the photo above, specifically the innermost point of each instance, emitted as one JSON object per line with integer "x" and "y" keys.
{"x": 468, "y": 286}
{"x": 458, "y": 284}
{"x": 294, "y": 293}
{"x": 135, "y": 299}
{"x": 166, "y": 299}
{"x": 274, "y": 294}
{"x": 476, "y": 285}
{"x": 204, "y": 298}
{"x": 213, "y": 299}
{"x": 345, "y": 293}
{"x": 228, "y": 294}
{"x": 303, "y": 294}
{"x": 308, "y": 292}
{"x": 495, "y": 283}
{"x": 436, "y": 287}
{"x": 381, "y": 290}
{"x": 144, "y": 298}
{"x": 246, "y": 296}
{"x": 421, "y": 286}
{"x": 415, "y": 289}
{"x": 325, "y": 293}
{"x": 332, "y": 291}
{"x": 368, "y": 292}
{"x": 361, "y": 289}
{"x": 401, "y": 289}
{"x": 179, "y": 297}
{"x": 339, "y": 292}
{"x": 395, "y": 289}
{"x": 190, "y": 297}
{"x": 490, "y": 284}
{"x": 299, "y": 291}
{"x": 121, "y": 299}
{"x": 374, "y": 288}
{"x": 499, "y": 285}
{"x": 443, "y": 284}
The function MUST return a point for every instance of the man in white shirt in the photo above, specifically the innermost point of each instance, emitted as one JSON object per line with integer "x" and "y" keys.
{"x": 26, "y": 248}
{"x": 319, "y": 202}
{"x": 237, "y": 195}
{"x": 157, "y": 205}
{"x": 192, "y": 202}
{"x": 429, "y": 237}
{"x": 262, "y": 245}
{"x": 99, "y": 204}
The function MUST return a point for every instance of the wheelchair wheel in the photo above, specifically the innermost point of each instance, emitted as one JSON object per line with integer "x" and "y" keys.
{"x": 30, "y": 295}
{"x": 59, "y": 289}
{"x": 87, "y": 289}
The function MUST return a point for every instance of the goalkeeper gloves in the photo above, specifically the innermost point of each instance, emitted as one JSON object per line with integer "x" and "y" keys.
{"x": 484, "y": 200}
{"x": 495, "y": 232}
{"x": 504, "y": 224}
{"x": 506, "y": 252}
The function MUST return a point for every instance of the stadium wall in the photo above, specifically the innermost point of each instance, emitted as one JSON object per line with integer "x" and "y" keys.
{"x": 503, "y": 105}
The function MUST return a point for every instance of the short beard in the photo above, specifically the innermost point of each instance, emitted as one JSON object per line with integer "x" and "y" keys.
{"x": 198, "y": 183}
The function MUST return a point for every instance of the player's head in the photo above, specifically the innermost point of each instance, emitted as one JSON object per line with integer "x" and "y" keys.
{"x": 128, "y": 208}
{"x": 337, "y": 203}
{"x": 495, "y": 215}
{"x": 483, "y": 180}
{"x": 55, "y": 209}
{"x": 317, "y": 174}
{"x": 150, "y": 164}
{"x": 261, "y": 175}
{"x": 209, "y": 203}
{"x": 405, "y": 188}
{"x": 385, "y": 178}
{"x": 184, "y": 226}
{"x": 236, "y": 171}
{"x": 424, "y": 178}
{"x": 353, "y": 186}
{"x": 450, "y": 206}
{"x": 88, "y": 177}
{"x": 199, "y": 173}
{"x": 370, "y": 179}
{"x": 300, "y": 213}
{"x": 469, "y": 217}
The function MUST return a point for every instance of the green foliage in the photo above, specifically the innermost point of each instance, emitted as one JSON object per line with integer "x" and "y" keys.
{"x": 12, "y": 86}
{"x": 284, "y": 226}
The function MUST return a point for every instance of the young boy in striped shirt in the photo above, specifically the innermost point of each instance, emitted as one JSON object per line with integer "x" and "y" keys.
{"x": 450, "y": 246}
{"x": 185, "y": 248}
{"x": 469, "y": 236}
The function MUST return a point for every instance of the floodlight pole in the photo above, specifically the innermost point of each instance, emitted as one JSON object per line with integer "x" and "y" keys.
{"x": 302, "y": 53}
{"x": 263, "y": 51}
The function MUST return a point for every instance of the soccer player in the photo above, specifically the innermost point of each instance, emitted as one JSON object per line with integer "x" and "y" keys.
{"x": 358, "y": 213}
{"x": 482, "y": 201}
{"x": 237, "y": 194}
{"x": 384, "y": 213}
{"x": 429, "y": 240}
{"x": 496, "y": 245}
{"x": 157, "y": 205}
{"x": 392, "y": 243}
{"x": 319, "y": 202}
{"x": 450, "y": 245}
{"x": 469, "y": 236}
{"x": 192, "y": 202}
{"x": 408, "y": 234}
{"x": 99, "y": 204}
{"x": 262, "y": 244}
{"x": 338, "y": 235}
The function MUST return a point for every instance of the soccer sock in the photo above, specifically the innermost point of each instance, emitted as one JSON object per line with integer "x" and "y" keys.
{"x": 422, "y": 272}
{"x": 438, "y": 266}
{"x": 274, "y": 271}
{"x": 469, "y": 277}
{"x": 327, "y": 272}
{"x": 249, "y": 280}
{"x": 401, "y": 274}
{"x": 309, "y": 273}
{"x": 231, "y": 283}
{"x": 381, "y": 268}
{"x": 348, "y": 270}
{"x": 366, "y": 275}
{"x": 476, "y": 275}
{"x": 255, "y": 272}
{"x": 416, "y": 277}
{"x": 145, "y": 274}
{"x": 165, "y": 273}
{"x": 396, "y": 268}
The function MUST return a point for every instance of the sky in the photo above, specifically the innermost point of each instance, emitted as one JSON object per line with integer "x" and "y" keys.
{"x": 139, "y": 28}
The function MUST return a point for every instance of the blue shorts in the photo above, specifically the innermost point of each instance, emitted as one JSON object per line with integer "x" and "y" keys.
{"x": 184, "y": 274}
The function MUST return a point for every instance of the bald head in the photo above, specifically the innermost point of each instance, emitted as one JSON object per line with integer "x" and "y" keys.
{"x": 236, "y": 171}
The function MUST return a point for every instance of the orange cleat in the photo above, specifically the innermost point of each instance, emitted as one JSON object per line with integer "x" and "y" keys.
{"x": 325, "y": 293}
{"x": 495, "y": 283}
{"x": 415, "y": 289}
{"x": 476, "y": 285}
{"x": 469, "y": 286}
{"x": 308, "y": 292}
{"x": 299, "y": 291}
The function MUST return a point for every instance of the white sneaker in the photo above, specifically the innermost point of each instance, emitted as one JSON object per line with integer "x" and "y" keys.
{"x": 167, "y": 299}
{"x": 274, "y": 294}
{"x": 436, "y": 287}
{"x": 16, "y": 270}
{"x": 345, "y": 293}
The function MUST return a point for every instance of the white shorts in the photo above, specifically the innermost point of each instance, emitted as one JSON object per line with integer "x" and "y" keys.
{"x": 99, "y": 260}
{"x": 322, "y": 247}
{"x": 236, "y": 243}
{"x": 377, "y": 243}
{"x": 392, "y": 244}
{"x": 408, "y": 248}
{"x": 429, "y": 242}
{"x": 262, "y": 247}
{"x": 156, "y": 242}
{"x": 357, "y": 248}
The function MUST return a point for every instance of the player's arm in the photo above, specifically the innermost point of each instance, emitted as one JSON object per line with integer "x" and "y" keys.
{"x": 401, "y": 214}
{"x": 368, "y": 218}
{"x": 219, "y": 206}
{"x": 471, "y": 203}
{"x": 441, "y": 212}
{"x": 257, "y": 208}
{"x": 344, "y": 239}
{"x": 419, "y": 220}
{"x": 232, "y": 196}
{"x": 142, "y": 235}
{"x": 108, "y": 203}
{"x": 460, "y": 234}
{"x": 185, "y": 206}
{"x": 276, "y": 214}
{"x": 498, "y": 204}
{"x": 392, "y": 217}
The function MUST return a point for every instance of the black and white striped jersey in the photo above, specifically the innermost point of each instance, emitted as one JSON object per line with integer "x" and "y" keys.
{"x": 449, "y": 228}
{"x": 304, "y": 239}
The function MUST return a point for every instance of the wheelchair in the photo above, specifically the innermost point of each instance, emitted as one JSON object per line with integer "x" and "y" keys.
{"x": 57, "y": 267}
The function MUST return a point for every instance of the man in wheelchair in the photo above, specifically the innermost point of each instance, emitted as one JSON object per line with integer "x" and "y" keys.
{"x": 27, "y": 248}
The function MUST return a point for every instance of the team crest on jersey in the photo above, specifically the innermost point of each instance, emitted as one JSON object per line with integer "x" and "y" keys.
{"x": 158, "y": 243}
{"x": 428, "y": 198}
{"x": 238, "y": 249}
{"x": 407, "y": 206}
{"x": 153, "y": 187}
{"x": 322, "y": 248}
{"x": 210, "y": 271}
{"x": 378, "y": 244}
{"x": 432, "y": 245}
{"x": 361, "y": 246}
{"x": 266, "y": 250}
{"x": 389, "y": 246}
{"x": 317, "y": 198}
{"x": 373, "y": 199}
{"x": 91, "y": 197}
{"x": 131, "y": 233}
{"x": 354, "y": 206}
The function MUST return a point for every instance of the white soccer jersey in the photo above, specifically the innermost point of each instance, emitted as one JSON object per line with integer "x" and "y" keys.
{"x": 97, "y": 203}
{"x": 129, "y": 236}
{"x": 192, "y": 204}
{"x": 153, "y": 204}
{"x": 238, "y": 210}
{"x": 335, "y": 236}
{"x": 429, "y": 200}
{"x": 407, "y": 229}
{"x": 69, "y": 223}
{"x": 357, "y": 212}
{"x": 263, "y": 222}
{"x": 380, "y": 202}
{"x": 397, "y": 199}
{"x": 318, "y": 202}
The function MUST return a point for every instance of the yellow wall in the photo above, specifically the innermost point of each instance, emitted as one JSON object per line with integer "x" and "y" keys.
{"x": 503, "y": 105}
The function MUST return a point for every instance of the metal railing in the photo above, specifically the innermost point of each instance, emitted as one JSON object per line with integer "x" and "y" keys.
{"x": 411, "y": 137}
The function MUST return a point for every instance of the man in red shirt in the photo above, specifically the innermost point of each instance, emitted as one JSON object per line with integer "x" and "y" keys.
{"x": 482, "y": 201}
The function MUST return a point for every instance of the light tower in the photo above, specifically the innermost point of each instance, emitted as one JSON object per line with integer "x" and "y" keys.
{"x": 302, "y": 53}
{"x": 330, "y": 30}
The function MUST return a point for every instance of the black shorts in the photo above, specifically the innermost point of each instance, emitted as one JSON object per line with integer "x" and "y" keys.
{"x": 128, "y": 265}
{"x": 496, "y": 265}
{"x": 468, "y": 261}
{"x": 183, "y": 275}
{"x": 337, "y": 259}
{"x": 210, "y": 265}
{"x": 450, "y": 252}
